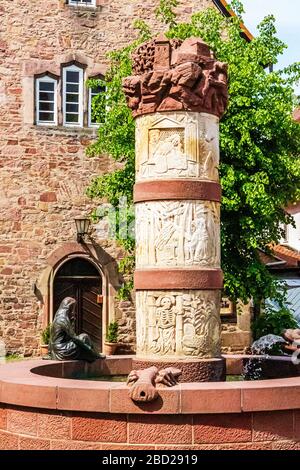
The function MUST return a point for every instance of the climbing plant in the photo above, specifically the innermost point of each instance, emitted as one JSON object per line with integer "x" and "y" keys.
{"x": 259, "y": 142}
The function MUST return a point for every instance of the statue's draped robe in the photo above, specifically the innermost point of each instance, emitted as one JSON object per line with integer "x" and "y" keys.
{"x": 62, "y": 344}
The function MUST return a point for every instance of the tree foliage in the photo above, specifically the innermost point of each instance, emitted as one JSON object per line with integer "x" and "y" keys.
{"x": 273, "y": 321}
{"x": 165, "y": 12}
{"x": 259, "y": 142}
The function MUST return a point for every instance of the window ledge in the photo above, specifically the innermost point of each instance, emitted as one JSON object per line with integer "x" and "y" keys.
{"x": 66, "y": 129}
{"x": 84, "y": 7}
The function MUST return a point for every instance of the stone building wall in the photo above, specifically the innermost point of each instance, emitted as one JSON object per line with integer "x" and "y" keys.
{"x": 44, "y": 170}
{"x": 236, "y": 337}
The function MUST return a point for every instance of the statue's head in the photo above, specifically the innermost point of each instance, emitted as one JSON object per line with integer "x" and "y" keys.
{"x": 68, "y": 305}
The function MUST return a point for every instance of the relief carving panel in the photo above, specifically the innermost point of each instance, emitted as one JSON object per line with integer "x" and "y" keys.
{"x": 178, "y": 323}
{"x": 181, "y": 145}
{"x": 178, "y": 234}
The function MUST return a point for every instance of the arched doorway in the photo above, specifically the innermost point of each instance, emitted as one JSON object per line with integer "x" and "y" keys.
{"x": 80, "y": 279}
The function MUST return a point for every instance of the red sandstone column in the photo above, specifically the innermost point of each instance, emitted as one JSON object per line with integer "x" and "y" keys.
{"x": 178, "y": 94}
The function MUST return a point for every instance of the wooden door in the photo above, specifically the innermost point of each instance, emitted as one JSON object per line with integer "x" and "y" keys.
{"x": 90, "y": 320}
{"x": 63, "y": 288}
{"x": 83, "y": 283}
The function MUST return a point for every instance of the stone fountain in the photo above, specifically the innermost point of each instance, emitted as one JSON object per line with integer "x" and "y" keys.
{"x": 177, "y": 95}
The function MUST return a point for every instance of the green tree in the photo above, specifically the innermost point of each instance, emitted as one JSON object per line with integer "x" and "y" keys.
{"x": 273, "y": 321}
{"x": 259, "y": 142}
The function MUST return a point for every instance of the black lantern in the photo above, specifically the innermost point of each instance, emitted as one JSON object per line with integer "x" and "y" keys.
{"x": 82, "y": 227}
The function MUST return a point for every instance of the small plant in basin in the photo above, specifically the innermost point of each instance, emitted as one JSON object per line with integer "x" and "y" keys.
{"x": 45, "y": 339}
{"x": 111, "y": 340}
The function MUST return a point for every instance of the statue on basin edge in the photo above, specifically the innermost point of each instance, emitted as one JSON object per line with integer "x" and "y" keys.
{"x": 64, "y": 343}
{"x": 292, "y": 338}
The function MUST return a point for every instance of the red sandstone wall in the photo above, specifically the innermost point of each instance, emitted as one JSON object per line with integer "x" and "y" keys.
{"x": 22, "y": 428}
{"x": 44, "y": 170}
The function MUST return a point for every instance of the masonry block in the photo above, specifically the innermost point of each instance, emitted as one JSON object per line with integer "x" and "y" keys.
{"x": 22, "y": 422}
{"x": 103, "y": 428}
{"x": 8, "y": 441}
{"x": 222, "y": 428}
{"x": 173, "y": 429}
{"x": 273, "y": 426}
{"x": 30, "y": 443}
{"x": 54, "y": 426}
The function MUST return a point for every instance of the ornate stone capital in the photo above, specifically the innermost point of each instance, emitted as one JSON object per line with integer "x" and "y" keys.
{"x": 171, "y": 75}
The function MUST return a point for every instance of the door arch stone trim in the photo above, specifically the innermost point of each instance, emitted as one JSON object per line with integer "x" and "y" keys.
{"x": 105, "y": 264}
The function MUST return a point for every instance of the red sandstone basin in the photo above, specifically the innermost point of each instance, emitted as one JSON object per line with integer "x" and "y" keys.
{"x": 41, "y": 411}
{"x": 49, "y": 384}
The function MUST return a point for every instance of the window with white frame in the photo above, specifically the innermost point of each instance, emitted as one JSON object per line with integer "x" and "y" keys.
{"x": 86, "y": 3}
{"x": 73, "y": 96}
{"x": 95, "y": 120}
{"x": 79, "y": 106}
{"x": 285, "y": 238}
{"x": 46, "y": 100}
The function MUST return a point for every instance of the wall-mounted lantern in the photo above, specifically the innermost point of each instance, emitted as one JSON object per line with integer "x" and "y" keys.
{"x": 82, "y": 227}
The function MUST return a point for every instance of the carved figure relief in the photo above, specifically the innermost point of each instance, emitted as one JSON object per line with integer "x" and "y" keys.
{"x": 182, "y": 145}
{"x": 177, "y": 233}
{"x": 164, "y": 341}
{"x": 178, "y": 323}
{"x": 166, "y": 151}
{"x": 200, "y": 335}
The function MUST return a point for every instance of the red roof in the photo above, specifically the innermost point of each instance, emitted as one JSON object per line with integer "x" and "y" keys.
{"x": 270, "y": 259}
{"x": 288, "y": 254}
{"x": 280, "y": 257}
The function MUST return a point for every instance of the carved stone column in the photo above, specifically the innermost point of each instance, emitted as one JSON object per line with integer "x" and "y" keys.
{"x": 178, "y": 94}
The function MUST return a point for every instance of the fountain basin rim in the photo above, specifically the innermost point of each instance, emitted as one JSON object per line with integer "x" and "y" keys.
{"x": 20, "y": 385}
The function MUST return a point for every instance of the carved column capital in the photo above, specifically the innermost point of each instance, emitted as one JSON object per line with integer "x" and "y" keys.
{"x": 171, "y": 75}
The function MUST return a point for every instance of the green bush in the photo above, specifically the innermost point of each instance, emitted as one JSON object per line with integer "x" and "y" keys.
{"x": 112, "y": 332}
{"x": 273, "y": 322}
{"x": 126, "y": 267}
{"x": 45, "y": 336}
{"x": 124, "y": 293}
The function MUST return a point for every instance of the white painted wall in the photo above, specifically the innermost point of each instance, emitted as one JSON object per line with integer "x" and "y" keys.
{"x": 293, "y": 233}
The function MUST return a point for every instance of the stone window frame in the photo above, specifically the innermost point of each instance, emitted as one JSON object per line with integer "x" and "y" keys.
{"x": 73, "y": 66}
{"x": 37, "y": 80}
{"x": 82, "y": 3}
{"x": 36, "y": 69}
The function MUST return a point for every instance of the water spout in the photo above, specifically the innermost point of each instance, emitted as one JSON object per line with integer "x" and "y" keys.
{"x": 266, "y": 344}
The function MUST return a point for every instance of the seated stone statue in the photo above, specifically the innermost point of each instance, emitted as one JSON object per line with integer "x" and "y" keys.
{"x": 291, "y": 335}
{"x": 64, "y": 343}
{"x": 292, "y": 338}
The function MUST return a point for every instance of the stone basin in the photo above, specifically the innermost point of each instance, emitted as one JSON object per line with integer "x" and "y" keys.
{"x": 43, "y": 406}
